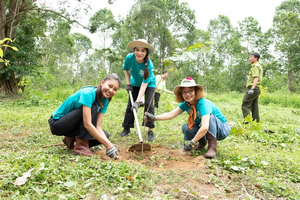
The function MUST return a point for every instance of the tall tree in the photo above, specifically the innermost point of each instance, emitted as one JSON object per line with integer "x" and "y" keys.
{"x": 103, "y": 23}
{"x": 221, "y": 31}
{"x": 11, "y": 13}
{"x": 82, "y": 45}
{"x": 286, "y": 25}
{"x": 159, "y": 22}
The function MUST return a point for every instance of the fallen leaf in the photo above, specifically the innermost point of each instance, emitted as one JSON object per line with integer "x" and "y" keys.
{"x": 69, "y": 184}
{"x": 130, "y": 178}
{"x": 23, "y": 179}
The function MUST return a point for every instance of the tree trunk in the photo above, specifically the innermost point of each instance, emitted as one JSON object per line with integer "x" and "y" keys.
{"x": 2, "y": 19}
{"x": 9, "y": 86}
{"x": 290, "y": 80}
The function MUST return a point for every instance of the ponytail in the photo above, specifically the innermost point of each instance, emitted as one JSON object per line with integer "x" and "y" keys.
{"x": 146, "y": 72}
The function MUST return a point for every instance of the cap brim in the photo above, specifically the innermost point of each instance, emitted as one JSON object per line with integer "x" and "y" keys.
{"x": 134, "y": 44}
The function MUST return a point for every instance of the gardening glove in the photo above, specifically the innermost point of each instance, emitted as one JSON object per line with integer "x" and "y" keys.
{"x": 251, "y": 91}
{"x": 149, "y": 117}
{"x": 128, "y": 87}
{"x": 135, "y": 106}
{"x": 189, "y": 146}
{"x": 112, "y": 152}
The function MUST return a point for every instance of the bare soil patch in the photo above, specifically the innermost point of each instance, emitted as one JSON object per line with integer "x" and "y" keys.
{"x": 161, "y": 158}
{"x": 14, "y": 136}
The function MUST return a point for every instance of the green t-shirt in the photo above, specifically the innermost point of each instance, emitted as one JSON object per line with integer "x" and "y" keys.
{"x": 203, "y": 107}
{"x": 137, "y": 71}
{"x": 255, "y": 71}
{"x": 85, "y": 96}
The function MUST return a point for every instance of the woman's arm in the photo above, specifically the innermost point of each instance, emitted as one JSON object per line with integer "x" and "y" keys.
{"x": 127, "y": 77}
{"x": 97, "y": 133}
{"x": 170, "y": 115}
{"x": 141, "y": 92}
{"x": 203, "y": 129}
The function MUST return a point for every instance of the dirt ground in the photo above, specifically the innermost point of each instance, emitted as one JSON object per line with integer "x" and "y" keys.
{"x": 161, "y": 158}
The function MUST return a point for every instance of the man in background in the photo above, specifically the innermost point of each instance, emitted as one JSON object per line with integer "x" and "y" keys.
{"x": 160, "y": 80}
{"x": 250, "y": 101}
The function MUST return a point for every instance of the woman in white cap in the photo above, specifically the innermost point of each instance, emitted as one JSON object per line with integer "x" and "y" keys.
{"x": 142, "y": 81}
{"x": 205, "y": 122}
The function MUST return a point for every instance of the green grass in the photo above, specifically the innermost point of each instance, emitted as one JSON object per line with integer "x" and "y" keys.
{"x": 250, "y": 162}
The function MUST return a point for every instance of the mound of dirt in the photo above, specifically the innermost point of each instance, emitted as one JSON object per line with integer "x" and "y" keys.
{"x": 160, "y": 158}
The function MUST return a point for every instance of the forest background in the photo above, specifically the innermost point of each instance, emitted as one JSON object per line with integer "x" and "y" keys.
{"x": 50, "y": 56}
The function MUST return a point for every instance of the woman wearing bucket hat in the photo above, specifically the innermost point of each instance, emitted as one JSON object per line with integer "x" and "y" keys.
{"x": 142, "y": 81}
{"x": 205, "y": 122}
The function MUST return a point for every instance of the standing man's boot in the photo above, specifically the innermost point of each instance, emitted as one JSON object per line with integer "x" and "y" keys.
{"x": 69, "y": 141}
{"x": 212, "y": 146}
{"x": 201, "y": 144}
{"x": 82, "y": 148}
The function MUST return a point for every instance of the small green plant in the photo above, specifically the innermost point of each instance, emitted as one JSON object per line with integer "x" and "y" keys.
{"x": 250, "y": 129}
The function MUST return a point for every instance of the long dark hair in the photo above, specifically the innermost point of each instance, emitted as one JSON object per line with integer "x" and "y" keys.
{"x": 146, "y": 72}
{"x": 99, "y": 93}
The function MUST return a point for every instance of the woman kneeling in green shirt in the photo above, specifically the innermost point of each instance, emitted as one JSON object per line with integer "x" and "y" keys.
{"x": 80, "y": 116}
{"x": 205, "y": 122}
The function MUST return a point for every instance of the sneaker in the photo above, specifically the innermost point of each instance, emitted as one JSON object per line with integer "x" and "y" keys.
{"x": 125, "y": 131}
{"x": 150, "y": 136}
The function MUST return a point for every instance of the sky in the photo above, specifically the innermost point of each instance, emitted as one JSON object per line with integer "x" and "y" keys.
{"x": 205, "y": 10}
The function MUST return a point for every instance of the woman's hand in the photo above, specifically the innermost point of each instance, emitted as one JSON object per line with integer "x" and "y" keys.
{"x": 135, "y": 106}
{"x": 189, "y": 146}
{"x": 112, "y": 153}
{"x": 149, "y": 117}
{"x": 129, "y": 87}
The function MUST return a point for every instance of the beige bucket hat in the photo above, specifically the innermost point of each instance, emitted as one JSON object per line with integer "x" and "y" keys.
{"x": 140, "y": 43}
{"x": 187, "y": 82}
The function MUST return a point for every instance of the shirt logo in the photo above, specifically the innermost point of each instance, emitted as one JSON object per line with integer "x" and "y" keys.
{"x": 141, "y": 73}
{"x": 198, "y": 114}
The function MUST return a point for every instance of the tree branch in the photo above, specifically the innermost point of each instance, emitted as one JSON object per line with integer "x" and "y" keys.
{"x": 66, "y": 18}
{"x": 45, "y": 10}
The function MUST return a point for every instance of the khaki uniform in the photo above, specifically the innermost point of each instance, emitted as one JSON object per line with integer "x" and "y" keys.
{"x": 250, "y": 101}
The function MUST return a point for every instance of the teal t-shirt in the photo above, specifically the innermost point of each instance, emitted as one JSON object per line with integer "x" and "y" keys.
{"x": 204, "y": 107}
{"x": 85, "y": 96}
{"x": 137, "y": 71}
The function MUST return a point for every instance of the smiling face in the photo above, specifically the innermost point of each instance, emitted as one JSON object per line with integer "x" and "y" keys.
{"x": 140, "y": 53}
{"x": 109, "y": 87}
{"x": 188, "y": 94}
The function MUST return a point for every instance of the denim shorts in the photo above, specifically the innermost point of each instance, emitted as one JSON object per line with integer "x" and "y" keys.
{"x": 216, "y": 128}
